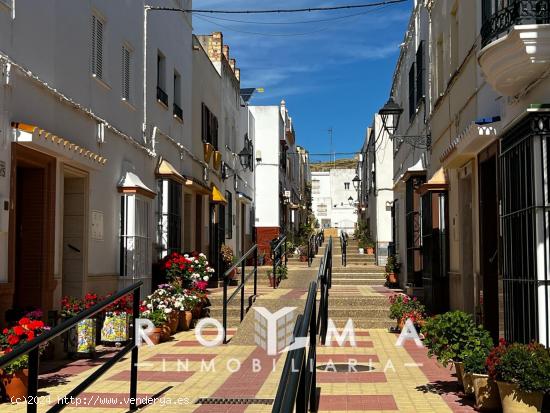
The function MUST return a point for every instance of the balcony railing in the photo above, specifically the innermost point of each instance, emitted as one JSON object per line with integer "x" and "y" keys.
{"x": 162, "y": 96}
{"x": 519, "y": 12}
{"x": 178, "y": 113}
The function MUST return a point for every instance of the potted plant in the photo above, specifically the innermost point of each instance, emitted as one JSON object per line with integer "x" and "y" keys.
{"x": 473, "y": 357}
{"x": 447, "y": 335}
{"x": 392, "y": 269}
{"x": 522, "y": 373}
{"x": 303, "y": 251}
{"x": 369, "y": 243}
{"x": 402, "y": 307}
{"x": 208, "y": 149}
{"x": 81, "y": 338}
{"x": 485, "y": 388}
{"x": 187, "y": 270}
{"x": 188, "y": 302}
{"x": 116, "y": 325}
{"x": 281, "y": 273}
{"x": 159, "y": 320}
{"x": 361, "y": 245}
{"x": 14, "y": 376}
{"x": 227, "y": 258}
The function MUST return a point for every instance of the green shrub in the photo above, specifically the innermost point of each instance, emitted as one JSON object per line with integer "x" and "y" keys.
{"x": 401, "y": 304}
{"x": 450, "y": 336}
{"x": 527, "y": 365}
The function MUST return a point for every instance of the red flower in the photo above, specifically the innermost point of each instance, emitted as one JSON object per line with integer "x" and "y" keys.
{"x": 30, "y": 335}
{"x": 5, "y": 331}
{"x": 36, "y": 324}
{"x": 13, "y": 340}
{"x": 24, "y": 321}
{"x": 18, "y": 330}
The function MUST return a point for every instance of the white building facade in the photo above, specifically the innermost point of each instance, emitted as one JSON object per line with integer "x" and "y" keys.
{"x": 334, "y": 199}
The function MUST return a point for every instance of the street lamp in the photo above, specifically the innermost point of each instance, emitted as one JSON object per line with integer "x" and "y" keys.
{"x": 391, "y": 108}
{"x": 245, "y": 156}
{"x": 356, "y": 181}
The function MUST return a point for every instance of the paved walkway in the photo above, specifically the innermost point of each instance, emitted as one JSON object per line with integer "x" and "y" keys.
{"x": 175, "y": 375}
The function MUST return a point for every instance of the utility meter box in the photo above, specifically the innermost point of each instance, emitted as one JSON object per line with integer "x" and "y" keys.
{"x": 4, "y": 214}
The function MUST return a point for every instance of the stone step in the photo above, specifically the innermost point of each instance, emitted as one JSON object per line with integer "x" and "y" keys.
{"x": 370, "y": 312}
{"x": 358, "y": 281}
{"x": 359, "y": 269}
{"x": 375, "y": 275}
{"x": 363, "y": 323}
{"x": 336, "y": 301}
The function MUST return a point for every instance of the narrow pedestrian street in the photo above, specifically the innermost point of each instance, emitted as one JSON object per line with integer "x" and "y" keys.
{"x": 184, "y": 376}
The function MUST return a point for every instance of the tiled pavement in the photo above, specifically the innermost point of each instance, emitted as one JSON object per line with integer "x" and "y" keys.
{"x": 179, "y": 372}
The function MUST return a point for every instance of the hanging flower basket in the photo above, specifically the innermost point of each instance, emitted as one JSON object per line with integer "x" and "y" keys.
{"x": 81, "y": 339}
{"x": 116, "y": 328}
{"x": 208, "y": 149}
{"x": 217, "y": 160}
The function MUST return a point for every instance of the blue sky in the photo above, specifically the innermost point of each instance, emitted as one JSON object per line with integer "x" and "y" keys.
{"x": 333, "y": 74}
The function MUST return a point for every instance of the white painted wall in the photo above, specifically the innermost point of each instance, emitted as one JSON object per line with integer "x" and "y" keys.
{"x": 269, "y": 129}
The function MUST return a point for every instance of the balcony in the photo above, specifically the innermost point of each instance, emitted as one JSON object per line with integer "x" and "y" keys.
{"x": 178, "y": 113}
{"x": 162, "y": 96}
{"x": 516, "y": 45}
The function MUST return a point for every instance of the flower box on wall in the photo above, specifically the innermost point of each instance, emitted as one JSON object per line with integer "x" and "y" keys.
{"x": 208, "y": 149}
{"x": 217, "y": 160}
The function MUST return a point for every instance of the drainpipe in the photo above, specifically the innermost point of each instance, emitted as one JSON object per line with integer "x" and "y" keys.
{"x": 144, "y": 125}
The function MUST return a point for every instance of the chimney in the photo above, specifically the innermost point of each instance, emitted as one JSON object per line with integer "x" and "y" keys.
{"x": 238, "y": 74}
{"x": 232, "y": 63}
{"x": 226, "y": 51}
{"x": 215, "y": 46}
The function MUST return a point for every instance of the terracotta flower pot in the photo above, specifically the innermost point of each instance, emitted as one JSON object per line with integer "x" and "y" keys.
{"x": 392, "y": 278}
{"x": 155, "y": 335}
{"x": 165, "y": 332}
{"x": 173, "y": 322}
{"x": 272, "y": 281}
{"x": 468, "y": 383}
{"x": 185, "y": 320}
{"x": 401, "y": 324}
{"x": 217, "y": 159}
{"x": 303, "y": 258}
{"x": 16, "y": 385}
{"x": 370, "y": 251}
{"x": 486, "y": 393}
{"x": 208, "y": 149}
{"x": 197, "y": 311}
{"x": 459, "y": 368}
{"x": 515, "y": 400}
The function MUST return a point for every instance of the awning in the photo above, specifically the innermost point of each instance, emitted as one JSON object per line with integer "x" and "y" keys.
{"x": 217, "y": 196}
{"x": 438, "y": 182}
{"x": 44, "y": 141}
{"x": 473, "y": 139}
{"x": 242, "y": 195}
{"x": 130, "y": 183}
{"x": 166, "y": 170}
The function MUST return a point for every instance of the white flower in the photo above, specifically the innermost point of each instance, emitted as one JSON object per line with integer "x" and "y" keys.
{"x": 205, "y": 278}
{"x": 167, "y": 310}
{"x": 149, "y": 306}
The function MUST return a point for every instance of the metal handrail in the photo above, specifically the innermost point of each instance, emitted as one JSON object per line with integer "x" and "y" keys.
{"x": 314, "y": 243}
{"x": 252, "y": 252}
{"x": 297, "y": 391}
{"x": 32, "y": 349}
{"x": 344, "y": 248}
{"x": 277, "y": 255}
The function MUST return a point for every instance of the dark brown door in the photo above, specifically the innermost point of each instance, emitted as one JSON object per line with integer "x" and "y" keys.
{"x": 243, "y": 229}
{"x": 198, "y": 223}
{"x": 489, "y": 234}
{"x": 29, "y": 242}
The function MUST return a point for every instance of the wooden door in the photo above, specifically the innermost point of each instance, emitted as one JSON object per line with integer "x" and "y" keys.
{"x": 29, "y": 242}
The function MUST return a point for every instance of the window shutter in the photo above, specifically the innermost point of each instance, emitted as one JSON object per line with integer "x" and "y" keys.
{"x": 203, "y": 123}
{"x": 420, "y": 72}
{"x": 215, "y": 132}
{"x": 412, "y": 96}
{"x": 125, "y": 73}
{"x": 97, "y": 47}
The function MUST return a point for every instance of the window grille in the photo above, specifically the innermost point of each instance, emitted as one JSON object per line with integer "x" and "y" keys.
{"x": 169, "y": 205}
{"x": 125, "y": 73}
{"x": 135, "y": 237}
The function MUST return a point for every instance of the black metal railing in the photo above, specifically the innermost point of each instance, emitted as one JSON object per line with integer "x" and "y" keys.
{"x": 297, "y": 390}
{"x": 344, "y": 248}
{"x": 279, "y": 255}
{"x": 162, "y": 96}
{"x": 252, "y": 253}
{"x": 32, "y": 349}
{"x": 518, "y": 12}
{"x": 178, "y": 112}
{"x": 314, "y": 242}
